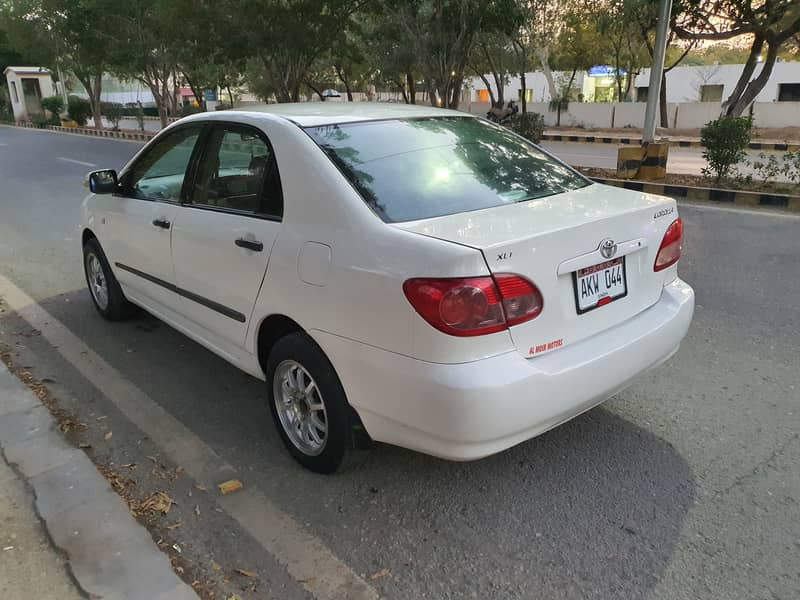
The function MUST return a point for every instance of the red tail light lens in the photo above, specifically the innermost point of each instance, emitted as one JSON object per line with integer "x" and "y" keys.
{"x": 474, "y": 305}
{"x": 670, "y": 250}
{"x": 522, "y": 301}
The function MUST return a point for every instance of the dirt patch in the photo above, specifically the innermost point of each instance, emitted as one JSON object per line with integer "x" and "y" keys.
{"x": 770, "y": 187}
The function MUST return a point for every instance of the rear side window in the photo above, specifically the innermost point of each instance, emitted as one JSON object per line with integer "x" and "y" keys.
{"x": 422, "y": 168}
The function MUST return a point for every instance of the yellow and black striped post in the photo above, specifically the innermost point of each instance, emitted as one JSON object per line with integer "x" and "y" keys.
{"x": 654, "y": 164}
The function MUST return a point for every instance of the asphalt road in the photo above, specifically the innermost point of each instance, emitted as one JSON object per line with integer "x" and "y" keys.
{"x": 684, "y": 486}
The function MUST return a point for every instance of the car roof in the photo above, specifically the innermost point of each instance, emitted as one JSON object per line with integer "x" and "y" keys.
{"x": 312, "y": 114}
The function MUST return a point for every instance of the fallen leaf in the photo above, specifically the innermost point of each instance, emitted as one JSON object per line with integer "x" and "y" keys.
{"x": 179, "y": 570}
{"x": 176, "y": 548}
{"x": 197, "y": 510}
{"x": 232, "y": 485}
{"x": 216, "y": 566}
{"x": 245, "y": 572}
{"x": 234, "y": 597}
{"x": 7, "y": 548}
{"x": 84, "y": 445}
{"x": 158, "y": 502}
{"x": 202, "y": 488}
{"x": 379, "y": 574}
{"x": 101, "y": 418}
{"x": 174, "y": 525}
{"x": 128, "y": 466}
{"x": 108, "y": 435}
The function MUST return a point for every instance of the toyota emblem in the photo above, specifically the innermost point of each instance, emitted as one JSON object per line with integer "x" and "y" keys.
{"x": 608, "y": 248}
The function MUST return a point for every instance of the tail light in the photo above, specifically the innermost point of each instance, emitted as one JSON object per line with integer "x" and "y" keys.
{"x": 474, "y": 305}
{"x": 670, "y": 250}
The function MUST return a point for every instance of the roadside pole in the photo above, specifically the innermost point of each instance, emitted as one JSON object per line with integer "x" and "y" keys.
{"x": 656, "y": 71}
{"x": 649, "y": 161}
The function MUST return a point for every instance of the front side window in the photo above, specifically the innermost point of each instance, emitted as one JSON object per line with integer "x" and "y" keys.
{"x": 423, "y": 168}
{"x": 159, "y": 174}
{"x": 14, "y": 95}
{"x": 238, "y": 172}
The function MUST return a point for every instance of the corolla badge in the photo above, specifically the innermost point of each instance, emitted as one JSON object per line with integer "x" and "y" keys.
{"x": 608, "y": 248}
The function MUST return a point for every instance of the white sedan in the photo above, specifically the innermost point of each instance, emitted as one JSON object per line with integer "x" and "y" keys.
{"x": 403, "y": 274}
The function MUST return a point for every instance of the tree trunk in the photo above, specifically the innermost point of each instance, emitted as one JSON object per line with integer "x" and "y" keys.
{"x": 498, "y": 78}
{"x": 662, "y": 101}
{"x": 756, "y": 85}
{"x": 345, "y": 81}
{"x": 412, "y": 88}
{"x": 744, "y": 78}
{"x": 544, "y": 59}
{"x": 455, "y": 91}
{"x": 198, "y": 93}
{"x": 523, "y": 89}
{"x": 316, "y": 91}
{"x": 492, "y": 98}
{"x": 93, "y": 87}
{"x": 402, "y": 88}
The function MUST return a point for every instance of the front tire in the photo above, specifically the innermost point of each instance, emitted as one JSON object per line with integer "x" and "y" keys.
{"x": 309, "y": 406}
{"x": 104, "y": 288}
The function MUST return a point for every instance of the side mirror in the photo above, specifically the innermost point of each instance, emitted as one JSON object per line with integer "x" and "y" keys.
{"x": 103, "y": 182}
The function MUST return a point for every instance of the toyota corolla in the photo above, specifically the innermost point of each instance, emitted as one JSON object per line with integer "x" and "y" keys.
{"x": 408, "y": 275}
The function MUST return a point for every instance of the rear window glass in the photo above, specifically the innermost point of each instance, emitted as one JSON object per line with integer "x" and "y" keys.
{"x": 422, "y": 168}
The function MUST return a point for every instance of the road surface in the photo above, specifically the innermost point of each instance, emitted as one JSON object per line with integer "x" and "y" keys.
{"x": 684, "y": 486}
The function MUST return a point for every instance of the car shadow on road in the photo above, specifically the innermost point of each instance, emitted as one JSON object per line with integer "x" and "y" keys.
{"x": 592, "y": 509}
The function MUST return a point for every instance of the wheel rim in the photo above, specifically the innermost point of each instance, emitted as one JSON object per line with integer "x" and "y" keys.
{"x": 98, "y": 284}
{"x": 300, "y": 407}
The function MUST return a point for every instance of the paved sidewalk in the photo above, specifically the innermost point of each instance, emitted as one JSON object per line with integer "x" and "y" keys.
{"x": 108, "y": 554}
{"x": 30, "y": 567}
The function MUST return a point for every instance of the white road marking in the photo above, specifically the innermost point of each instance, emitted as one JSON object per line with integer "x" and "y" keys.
{"x": 77, "y": 162}
{"x": 306, "y": 558}
{"x": 764, "y": 212}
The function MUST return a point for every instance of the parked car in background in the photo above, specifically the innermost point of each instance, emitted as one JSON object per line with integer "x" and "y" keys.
{"x": 395, "y": 273}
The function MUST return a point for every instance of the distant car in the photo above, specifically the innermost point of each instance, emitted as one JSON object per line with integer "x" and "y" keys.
{"x": 408, "y": 275}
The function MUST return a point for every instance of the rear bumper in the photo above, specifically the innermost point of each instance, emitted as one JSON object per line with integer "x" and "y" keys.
{"x": 471, "y": 410}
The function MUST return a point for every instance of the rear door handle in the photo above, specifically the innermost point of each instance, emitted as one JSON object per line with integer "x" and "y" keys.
{"x": 250, "y": 244}
{"x": 163, "y": 223}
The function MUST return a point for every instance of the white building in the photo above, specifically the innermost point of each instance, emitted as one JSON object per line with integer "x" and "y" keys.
{"x": 694, "y": 97}
{"x": 26, "y": 87}
{"x": 712, "y": 83}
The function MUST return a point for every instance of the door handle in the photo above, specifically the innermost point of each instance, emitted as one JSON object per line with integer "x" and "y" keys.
{"x": 163, "y": 223}
{"x": 250, "y": 244}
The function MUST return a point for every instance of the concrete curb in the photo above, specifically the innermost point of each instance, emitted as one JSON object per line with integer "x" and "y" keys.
{"x": 720, "y": 196}
{"x": 109, "y": 554}
{"x": 675, "y": 143}
{"x": 139, "y": 136}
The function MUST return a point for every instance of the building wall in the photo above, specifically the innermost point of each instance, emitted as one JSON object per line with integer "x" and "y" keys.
{"x": 683, "y": 83}
{"x": 46, "y": 88}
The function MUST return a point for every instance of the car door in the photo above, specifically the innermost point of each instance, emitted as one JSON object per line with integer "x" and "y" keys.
{"x": 141, "y": 217}
{"x": 226, "y": 229}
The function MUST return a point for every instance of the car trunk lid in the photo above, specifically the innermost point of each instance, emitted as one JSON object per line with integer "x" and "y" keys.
{"x": 553, "y": 240}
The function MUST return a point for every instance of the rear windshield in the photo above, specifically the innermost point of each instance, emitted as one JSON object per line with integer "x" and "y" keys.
{"x": 421, "y": 168}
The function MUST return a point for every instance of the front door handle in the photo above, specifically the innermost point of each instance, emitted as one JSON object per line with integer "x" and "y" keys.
{"x": 250, "y": 244}
{"x": 163, "y": 223}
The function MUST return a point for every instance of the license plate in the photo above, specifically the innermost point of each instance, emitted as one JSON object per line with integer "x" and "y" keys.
{"x": 598, "y": 285}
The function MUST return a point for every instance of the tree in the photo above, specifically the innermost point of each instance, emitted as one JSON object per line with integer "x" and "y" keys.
{"x": 288, "y": 36}
{"x": 579, "y": 46}
{"x": 492, "y": 56}
{"x": 772, "y": 24}
{"x": 391, "y": 60}
{"x": 442, "y": 34}
{"x": 64, "y": 33}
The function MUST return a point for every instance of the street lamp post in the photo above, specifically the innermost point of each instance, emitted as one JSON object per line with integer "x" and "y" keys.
{"x": 656, "y": 71}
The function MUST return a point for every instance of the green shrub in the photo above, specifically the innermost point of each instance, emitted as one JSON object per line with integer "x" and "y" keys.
{"x": 40, "y": 120}
{"x": 113, "y": 111}
{"x": 79, "y": 109}
{"x": 55, "y": 104}
{"x": 529, "y": 125}
{"x": 725, "y": 141}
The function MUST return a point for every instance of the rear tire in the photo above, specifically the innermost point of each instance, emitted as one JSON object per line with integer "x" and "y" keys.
{"x": 309, "y": 407}
{"x": 104, "y": 288}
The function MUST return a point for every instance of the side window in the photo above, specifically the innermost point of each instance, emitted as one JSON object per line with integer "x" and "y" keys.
{"x": 238, "y": 172}
{"x": 159, "y": 174}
